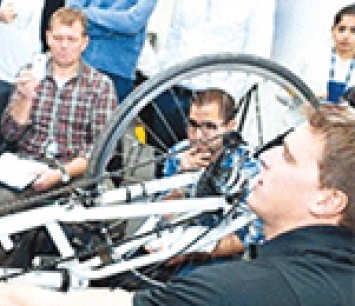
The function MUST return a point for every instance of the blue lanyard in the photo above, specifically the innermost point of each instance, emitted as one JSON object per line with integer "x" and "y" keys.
{"x": 332, "y": 68}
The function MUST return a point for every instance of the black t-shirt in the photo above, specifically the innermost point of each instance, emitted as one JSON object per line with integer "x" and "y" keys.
{"x": 309, "y": 266}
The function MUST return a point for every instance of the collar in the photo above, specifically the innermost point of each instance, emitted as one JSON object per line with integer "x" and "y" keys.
{"x": 300, "y": 240}
{"x": 78, "y": 74}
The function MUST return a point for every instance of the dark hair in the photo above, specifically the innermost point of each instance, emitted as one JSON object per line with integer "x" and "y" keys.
{"x": 68, "y": 17}
{"x": 337, "y": 166}
{"x": 225, "y": 101}
{"x": 346, "y": 10}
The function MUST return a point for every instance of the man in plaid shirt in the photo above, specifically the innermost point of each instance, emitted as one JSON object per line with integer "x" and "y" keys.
{"x": 66, "y": 107}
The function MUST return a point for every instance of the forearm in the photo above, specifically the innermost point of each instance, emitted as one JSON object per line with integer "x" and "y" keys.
{"x": 2, "y": 15}
{"x": 226, "y": 247}
{"x": 18, "y": 112}
{"x": 117, "y": 20}
{"x": 76, "y": 3}
{"x": 20, "y": 108}
{"x": 7, "y": 14}
{"x": 53, "y": 177}
{"x": 14, "y": 121}
{"x": 76, "y": 167}
{"x": 18, "y": 295}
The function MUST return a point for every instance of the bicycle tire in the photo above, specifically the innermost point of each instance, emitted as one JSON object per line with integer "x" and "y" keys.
{"x": 139, "y": 98}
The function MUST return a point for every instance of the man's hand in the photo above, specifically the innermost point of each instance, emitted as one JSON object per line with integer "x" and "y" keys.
{"x": 195, "y": 158}
{"x": 52, "y": 177}
{"x": 228, "y": 246}
{"x": 21, "y": 105}
{"x": 27, "y": 84}
{"x": 47, "y": 179}
{"x": 194, "y": 257}
{"x": 7, "y": 13}
{"x": 175, "y": 194}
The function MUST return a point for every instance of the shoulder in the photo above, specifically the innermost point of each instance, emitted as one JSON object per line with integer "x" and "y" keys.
{"x": 223, "y": 284}
{"x": 95, "y": 76}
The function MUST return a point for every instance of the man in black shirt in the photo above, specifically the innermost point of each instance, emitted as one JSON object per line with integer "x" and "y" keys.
{"x": 305, "y": 194}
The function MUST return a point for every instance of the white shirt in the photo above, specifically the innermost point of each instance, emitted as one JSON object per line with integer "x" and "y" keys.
{"x": 20, "y": 40}
{"x": 211, "y": 26}
{"x": 314, "y": 70}
{"x": 200, "y": 27}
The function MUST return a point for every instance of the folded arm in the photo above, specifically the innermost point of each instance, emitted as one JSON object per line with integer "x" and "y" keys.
{"x": 115, "y": 19}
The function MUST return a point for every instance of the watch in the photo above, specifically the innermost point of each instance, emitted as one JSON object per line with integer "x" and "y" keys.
{"x": 65, "y": 176}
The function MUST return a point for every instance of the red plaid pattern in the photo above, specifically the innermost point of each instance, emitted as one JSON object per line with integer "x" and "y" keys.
{"x": 72, "y": 116}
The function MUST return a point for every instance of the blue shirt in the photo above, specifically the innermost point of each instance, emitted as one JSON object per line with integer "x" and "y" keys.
{"x": 116, "y": 29}
{"x": 252, "y": 233}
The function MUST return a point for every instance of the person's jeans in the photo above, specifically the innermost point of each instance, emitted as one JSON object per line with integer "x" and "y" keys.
{"x": 5, "y": 92}
{"x": 123, "y": 85}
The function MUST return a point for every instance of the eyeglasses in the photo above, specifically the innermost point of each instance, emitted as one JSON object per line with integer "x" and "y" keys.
{"x": 205, "y": 127}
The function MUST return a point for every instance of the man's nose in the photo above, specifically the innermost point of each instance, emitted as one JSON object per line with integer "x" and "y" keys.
{"x": 64, "y": 43}
{"x": 346, "y": 34}
{"x": 199, "y": 133}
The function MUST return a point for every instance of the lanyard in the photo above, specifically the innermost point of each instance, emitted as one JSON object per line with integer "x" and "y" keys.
{"x": 332, "y": 68}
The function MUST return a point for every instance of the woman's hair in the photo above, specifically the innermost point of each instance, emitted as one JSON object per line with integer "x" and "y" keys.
{"x": 346, "y": 10}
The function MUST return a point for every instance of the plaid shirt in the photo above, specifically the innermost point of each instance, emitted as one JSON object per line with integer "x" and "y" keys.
{"x": 71, "y": 116}
{"x": 253, "y": 232}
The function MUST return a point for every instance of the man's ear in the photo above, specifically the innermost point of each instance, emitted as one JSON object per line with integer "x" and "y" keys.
{"x": 86, "y": 42}
{"x": 48, "y": 33}
{"x": 329, "y": 203}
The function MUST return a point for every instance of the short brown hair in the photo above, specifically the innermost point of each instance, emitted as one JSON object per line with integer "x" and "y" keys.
{"x": 68, "y": 17}
{"x": 224, "y": 100}
{"x": 337, "y": 167}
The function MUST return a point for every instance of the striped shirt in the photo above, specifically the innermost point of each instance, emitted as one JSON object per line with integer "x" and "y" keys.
{"x": 71, "y": 116}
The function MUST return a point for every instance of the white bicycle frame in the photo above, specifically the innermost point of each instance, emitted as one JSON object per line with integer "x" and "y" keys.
{"x": 110, "y": 207}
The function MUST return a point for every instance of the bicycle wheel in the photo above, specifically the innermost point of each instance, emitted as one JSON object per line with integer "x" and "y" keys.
{"x": 269, "y": 100}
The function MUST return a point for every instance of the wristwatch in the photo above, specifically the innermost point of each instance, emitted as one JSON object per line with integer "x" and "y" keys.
{"x": 64, "y": 175}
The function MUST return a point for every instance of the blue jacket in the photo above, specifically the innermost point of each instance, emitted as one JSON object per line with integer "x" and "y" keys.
{"x": 116, "y": 29}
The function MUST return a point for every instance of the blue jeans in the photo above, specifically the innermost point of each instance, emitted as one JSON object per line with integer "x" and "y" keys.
{"x": 5, "y": 91}
{"x": 123, "y": 85}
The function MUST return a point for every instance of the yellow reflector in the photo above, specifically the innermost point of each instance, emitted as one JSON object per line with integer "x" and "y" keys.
{"x": 140, "y": 134}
